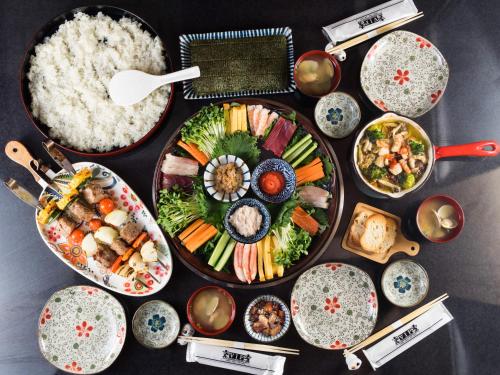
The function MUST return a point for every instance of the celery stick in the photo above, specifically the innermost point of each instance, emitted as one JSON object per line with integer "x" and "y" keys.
{"x": 305, "y": 155}
{"x": 298, "y": 151}
{"x": 294, "y": 147}
{"x": 225, "y": 256}
{"x": 218, "y": 249}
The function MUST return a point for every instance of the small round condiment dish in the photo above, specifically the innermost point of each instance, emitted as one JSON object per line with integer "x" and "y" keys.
{"x": 209, "y": 178}
{"x": 274, "y": 165}
{"x": 405, "y": 283}
{"x": 318, "y": 54}
{"x": 459, "y": 212}
{"x": 192, "y": 320}
{"x": 155, "y": 324}
{"x": 259, "y": 336}
{"x": 337, "y": 114}
{"x": 264, "y": 227}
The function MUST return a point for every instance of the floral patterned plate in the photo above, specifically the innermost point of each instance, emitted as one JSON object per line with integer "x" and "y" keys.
{"x": 334, "y": 306}
{"x": 74, "y": 257}
{"x": 82, "y": 329}
{"x": 405, "y": 283}
{"x": 404, "y": 73}
{"x": 156, "y": 324}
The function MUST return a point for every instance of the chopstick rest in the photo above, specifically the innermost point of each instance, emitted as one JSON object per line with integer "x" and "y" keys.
{"x": 235, "y": 359}
{"x": 408, "y": 335}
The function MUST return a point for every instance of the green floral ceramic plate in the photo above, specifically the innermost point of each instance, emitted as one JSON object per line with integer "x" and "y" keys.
{"x": 404, "y": 73}
{"x": 334, "y": 306}
{"x": 82, "y": 329}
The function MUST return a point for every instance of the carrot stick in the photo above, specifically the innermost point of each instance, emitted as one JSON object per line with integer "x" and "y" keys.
{"x": 311, "y": 178}
{"x": 116, "y": 264}
{"x": 194, "y": 152}
{"x": 312, "y": 163}
{"x": 195, "y": 243}
{"x": 197, "y": 232}
{"x": 139, "y": 240}
{"x": 305, "y": 221}
{"x": 127, "y": 255}
{"x": 311, "y": 170}
{"x": 186, "y": 232}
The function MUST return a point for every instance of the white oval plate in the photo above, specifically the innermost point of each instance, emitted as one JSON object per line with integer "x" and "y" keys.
{"x": 82, "y": 329}
{"x": 404, "y": 73}
{"x": 74, "y": 257}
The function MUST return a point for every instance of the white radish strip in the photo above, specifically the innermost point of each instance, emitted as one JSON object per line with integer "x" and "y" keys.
{"x": 253, "y": 261}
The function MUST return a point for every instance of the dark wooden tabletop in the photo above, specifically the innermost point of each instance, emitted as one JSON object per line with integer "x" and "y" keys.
{"x": 466, "y": 32}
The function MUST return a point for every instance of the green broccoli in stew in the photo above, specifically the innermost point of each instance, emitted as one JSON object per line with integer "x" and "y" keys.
{"x": 375, "y": 173}
{"x": 375, "y": 132}
{"x": 417, "y": 147}
{"x": 407, "y": 180}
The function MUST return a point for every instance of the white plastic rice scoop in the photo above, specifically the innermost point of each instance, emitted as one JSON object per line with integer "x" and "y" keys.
{"x": 131, "y": 86}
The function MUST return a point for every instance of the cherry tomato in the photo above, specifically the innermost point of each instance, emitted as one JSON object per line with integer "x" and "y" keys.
{"x": 106, "y": 205}
{"x": 95, "y": 224}
{"x": 76, "y": 237}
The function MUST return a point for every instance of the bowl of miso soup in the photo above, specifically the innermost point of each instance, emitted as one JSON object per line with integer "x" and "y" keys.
{"x": 211, "y": 310}
{"x": 317, "y": 73}
{"x": 440, "y": 218}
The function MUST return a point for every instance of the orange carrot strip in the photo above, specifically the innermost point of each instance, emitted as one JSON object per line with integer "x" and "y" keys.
{"x": 127, "y": 255}
{"x": 186, "y": 232}
{"x": 116, "y": 264}
{"x": 194, "y": 152}
{"x": 305, "y": 221}
{"x": 193, "y": 245}
{"x": 139, "y": 240}
{"x": 196, "y": 233}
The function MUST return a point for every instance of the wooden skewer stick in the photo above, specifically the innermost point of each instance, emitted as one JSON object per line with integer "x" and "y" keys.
{"x": 154, "y": 278}
{"x": 394, "y": 326}
{"x": 241, "y": 345}
{"x": 381, "y": 30}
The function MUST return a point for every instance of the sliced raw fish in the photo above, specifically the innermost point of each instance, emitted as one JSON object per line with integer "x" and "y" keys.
{"x": 238, "y": 262}
{"x": 170, "y": 180}
{"x": 264, "y": 114}
{"x": 179, "y": 165}
{"x": 250, "y": 110}
{"x": 280, "y": 136}
{"x": 246, "y": 263}
{"x": 270, "y": 119}
{"x": 256, "y": 115}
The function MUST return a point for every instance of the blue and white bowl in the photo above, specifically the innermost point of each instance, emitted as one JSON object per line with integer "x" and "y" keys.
{"x": 337, "y": 114}
{"x": 209, "y": 178}
{"x": 276, "y": 165}
{"x": 264, "y": 227}
{"x": 260, "y": 336}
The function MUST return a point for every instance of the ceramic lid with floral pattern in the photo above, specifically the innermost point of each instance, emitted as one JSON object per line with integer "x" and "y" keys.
{"x": 337, "y": 114}
{"x": 334, "y": 306}
{"x": 82, "y": 329}
{"x": 404, "y": 73}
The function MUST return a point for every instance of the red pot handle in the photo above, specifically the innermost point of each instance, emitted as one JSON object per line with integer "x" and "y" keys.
{"x": 480, "y": 148}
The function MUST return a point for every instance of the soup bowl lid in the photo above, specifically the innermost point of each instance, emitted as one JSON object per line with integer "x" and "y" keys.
{"x": 425, "y": 138}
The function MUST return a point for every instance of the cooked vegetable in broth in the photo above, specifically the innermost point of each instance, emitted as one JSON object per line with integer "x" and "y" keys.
{"x": 211, "y": 310}
{"x": 392, "y": 156}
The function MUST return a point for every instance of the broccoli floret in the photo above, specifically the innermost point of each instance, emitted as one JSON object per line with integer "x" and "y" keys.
{"x": 375, "y": 132}
{"x": 407, "y": 180}
{"x": 374, "y": 172}
{"x": 416, "y": 147}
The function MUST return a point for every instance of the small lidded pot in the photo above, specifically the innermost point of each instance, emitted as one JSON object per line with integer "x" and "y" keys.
{"x": 267, "y": 318}
{"x": 226, "y": 178}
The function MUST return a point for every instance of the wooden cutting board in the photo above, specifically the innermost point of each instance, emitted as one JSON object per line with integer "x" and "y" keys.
{"x": 401, "y": 245}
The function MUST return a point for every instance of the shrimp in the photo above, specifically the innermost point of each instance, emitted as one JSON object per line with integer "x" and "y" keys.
{"x": 404, "y": 165}
{"x": 382, "y": 143}
{"x": 238, "y": 261}
{"x": 253, "y": 262}
{"x": 403, "y": 151}
{"x": 246, "y": 263}
{"x": 395, "y": 168}
{"x": 383, "y": 151}
{"x": 398, "y": 142}
{"x": 379, "y": 162}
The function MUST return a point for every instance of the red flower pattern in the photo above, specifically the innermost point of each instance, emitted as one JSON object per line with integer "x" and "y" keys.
{"x": 371, "y": 52}
{"x": 435, "y": 96}
{"x": 379, "y": 103}
{"x": 84, "y": 329}
{"x": 121, "y": 334}
{"x": 373, "y": 300}
{"x": 423, "y": 42}
{"x": 402, "y": 76}
{"x": 73, "y": 367}
{"x": 159, "y": 271}
{"x": 295, "y": 307}
{"x": 333, "y": 266}
{"x": 137, "y": 287}
{"x": 337, "y": 345}
{"x": 90, "y": 290}
{"x": 45, "y": 316}
{"x": 332, "y": 304}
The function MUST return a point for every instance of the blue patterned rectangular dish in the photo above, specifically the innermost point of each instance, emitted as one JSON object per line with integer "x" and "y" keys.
{"x": 239, "y": 63}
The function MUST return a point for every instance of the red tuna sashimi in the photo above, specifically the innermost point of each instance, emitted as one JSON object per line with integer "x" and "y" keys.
{"x": 183, "y": 182}
{"x": 280, "y": 136}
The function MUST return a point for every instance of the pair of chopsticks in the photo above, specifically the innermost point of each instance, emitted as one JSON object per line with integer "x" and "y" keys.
{"x": 396, "y": 325}
{"x": 240, "y": 345}
{"x": 371, "y": 34}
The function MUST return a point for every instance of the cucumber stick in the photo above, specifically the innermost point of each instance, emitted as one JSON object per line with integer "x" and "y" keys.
{"x": 225, "y": 256}
{"x": 294, "y": 155}
{"x": 223, "y": 240}
{"x": 305, "y": 155}
{"x": 295, "y": 146}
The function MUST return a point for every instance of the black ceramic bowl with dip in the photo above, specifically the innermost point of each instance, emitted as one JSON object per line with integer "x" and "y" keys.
{"x": 274, "y": 165}
{"x": 264, "y": 227}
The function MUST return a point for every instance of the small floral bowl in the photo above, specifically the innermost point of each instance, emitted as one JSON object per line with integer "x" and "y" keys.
{"x": 405, "y": 283}
{"x": 337, "y": 114}
{"x": 155, "y": 324}
{"x": 209, "y": 178}
{"x": 261, "y": 336}
{"x": 274, "y": 165}
{"x": 264, "y": 227}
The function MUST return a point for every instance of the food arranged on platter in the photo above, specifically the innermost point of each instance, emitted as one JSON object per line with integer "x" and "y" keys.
{"x": 211, "y": 310}
{"x": 67, "y": 72}
{"x": 440, "y": 218}
{"x": 267, "y": 318}
{"x": 376, "y": 235}
{"x": 257, "y": 61}
{"x": 86, "y": 319}
{"x": 201, "y": 207}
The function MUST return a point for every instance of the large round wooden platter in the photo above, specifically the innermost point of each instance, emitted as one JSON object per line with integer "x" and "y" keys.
{"x": 319, "y": 243}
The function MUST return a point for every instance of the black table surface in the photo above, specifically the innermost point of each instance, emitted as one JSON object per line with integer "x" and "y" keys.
{"x": 466, "y": 32}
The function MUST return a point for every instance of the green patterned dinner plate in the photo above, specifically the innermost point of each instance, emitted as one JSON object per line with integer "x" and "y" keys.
{"x": 334, "y": 306}
{"x": 82, "y": 329}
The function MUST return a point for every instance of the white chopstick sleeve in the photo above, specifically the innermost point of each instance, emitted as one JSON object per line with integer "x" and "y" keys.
{"x": 235, "y": 359}
{"x": 408, "y": 335}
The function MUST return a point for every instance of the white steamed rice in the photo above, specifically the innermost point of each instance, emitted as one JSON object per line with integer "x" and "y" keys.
{"x": 69, "y": 76}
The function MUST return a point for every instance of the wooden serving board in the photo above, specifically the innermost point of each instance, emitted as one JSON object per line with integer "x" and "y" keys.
{"x": 402, "y": 245}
